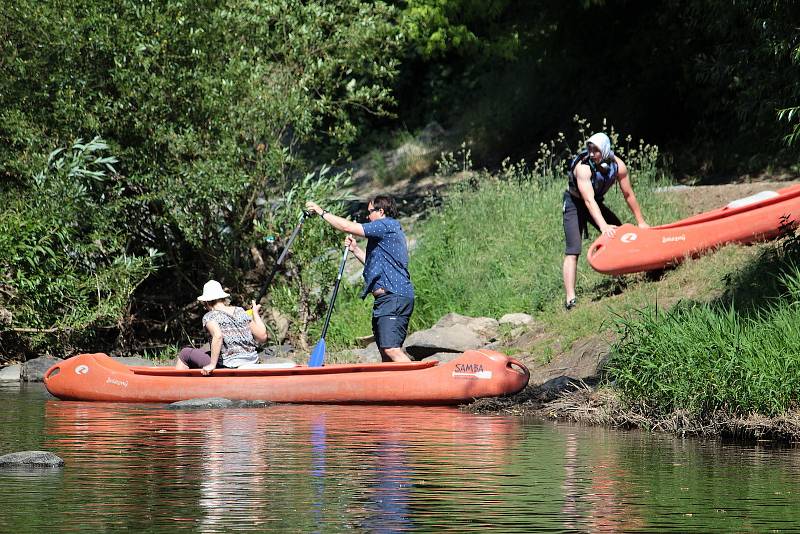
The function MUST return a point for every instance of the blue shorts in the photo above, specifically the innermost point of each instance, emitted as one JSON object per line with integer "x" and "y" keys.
{"x": 390, "y": 315}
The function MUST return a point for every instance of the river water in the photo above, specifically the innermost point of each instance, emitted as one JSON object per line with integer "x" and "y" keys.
{"x": 374, "y": 469}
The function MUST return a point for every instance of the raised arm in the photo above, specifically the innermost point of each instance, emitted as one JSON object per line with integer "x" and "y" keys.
{"x": 257, "y": 326}
{"x": 358, "y": 252}
{"x": 340, "y": 223}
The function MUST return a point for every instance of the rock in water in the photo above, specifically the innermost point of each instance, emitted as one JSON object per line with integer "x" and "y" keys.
{"x": 31, "y": 459}
{"x": 216, "y": 402}
{"x": 34, "y": 370}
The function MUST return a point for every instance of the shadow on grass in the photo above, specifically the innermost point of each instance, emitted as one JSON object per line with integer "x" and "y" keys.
{"x": 617, "y": 285}
{"x": 761, "y": 283}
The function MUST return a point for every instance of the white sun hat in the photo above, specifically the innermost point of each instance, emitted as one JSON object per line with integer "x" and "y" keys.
{"x": 601, "y": 141}
{"x": 212, "y": 290}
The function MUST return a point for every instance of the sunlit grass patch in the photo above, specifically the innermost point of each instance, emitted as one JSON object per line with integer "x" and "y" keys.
{"x": 495, "y": 247}
{"x": 718, "y": 354}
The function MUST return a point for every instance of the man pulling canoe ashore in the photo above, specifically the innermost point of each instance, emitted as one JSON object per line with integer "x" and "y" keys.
{"x": 591, "y": 174}
{"x": 386, "y": 274}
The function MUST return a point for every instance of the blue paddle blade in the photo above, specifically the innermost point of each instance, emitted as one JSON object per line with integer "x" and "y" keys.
{"x": 318, "y": 354}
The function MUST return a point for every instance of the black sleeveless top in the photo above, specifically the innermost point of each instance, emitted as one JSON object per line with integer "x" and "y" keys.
{"x": 601, "y": 181}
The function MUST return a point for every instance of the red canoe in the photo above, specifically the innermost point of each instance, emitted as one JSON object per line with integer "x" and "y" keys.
{"x": 755, "y": 218}
{"x": 474, "y": 374}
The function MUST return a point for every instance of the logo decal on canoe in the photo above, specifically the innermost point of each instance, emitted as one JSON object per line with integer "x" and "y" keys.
{"x": 123, "y": 383}
{"x": 630, "y": 237}
{"x": 81, "y": 369}
{"x": 471, "y": 370}
{"x": 673, "y": 238}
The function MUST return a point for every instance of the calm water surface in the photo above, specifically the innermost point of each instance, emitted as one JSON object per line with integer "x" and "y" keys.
{"x": 374, "y": 469}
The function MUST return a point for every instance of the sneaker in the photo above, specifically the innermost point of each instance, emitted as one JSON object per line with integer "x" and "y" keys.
{"x": 570, "y": 304}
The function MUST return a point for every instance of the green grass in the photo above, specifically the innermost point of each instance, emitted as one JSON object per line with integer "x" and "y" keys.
{"x": 719, "y": 334}
{"x": 738, "y": 353}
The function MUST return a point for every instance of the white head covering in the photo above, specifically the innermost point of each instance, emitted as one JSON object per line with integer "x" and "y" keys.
{"x": 212, "y": 290}
{"x": 601, "y": 141}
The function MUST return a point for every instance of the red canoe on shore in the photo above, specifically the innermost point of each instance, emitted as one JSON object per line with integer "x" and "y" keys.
{"x": 755, "y": 218}
{"x": 474, "y": 374}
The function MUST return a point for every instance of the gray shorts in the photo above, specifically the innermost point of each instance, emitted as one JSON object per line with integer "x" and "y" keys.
{"x": 576, "y": 217}
{"x": 390, "y": 316}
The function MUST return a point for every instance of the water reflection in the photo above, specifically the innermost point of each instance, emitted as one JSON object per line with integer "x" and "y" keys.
{"x": 605, "y": 501}
{"x": 376, "y": 469}
{"x": 251, "y": 467}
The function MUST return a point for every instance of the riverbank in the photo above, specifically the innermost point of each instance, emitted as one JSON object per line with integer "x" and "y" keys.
{"x": 490, "y": 250}
{"x": 705, "y": 349}
{"x": 605, "y": 406}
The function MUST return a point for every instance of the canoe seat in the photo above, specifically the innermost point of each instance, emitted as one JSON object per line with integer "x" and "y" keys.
{"x": 277, "y": 365}
{"x": 752, "y": 199}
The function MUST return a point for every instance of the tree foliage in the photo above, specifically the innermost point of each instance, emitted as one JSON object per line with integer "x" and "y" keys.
{"x": 63, "y": 261}
{"x": 215, "y": 112}
{"x": 220, "y": 115}
{"x": 702, "y": 78}
{"x": 438, "y": 27}
{"x": 792, "y": 114}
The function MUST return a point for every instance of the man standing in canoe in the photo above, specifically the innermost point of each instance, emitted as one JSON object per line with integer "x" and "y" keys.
{"x": 591, "y": 174}
{"x": 386, "y": 274}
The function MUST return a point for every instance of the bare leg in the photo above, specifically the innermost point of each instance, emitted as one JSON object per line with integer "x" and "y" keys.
{"x": 570, "y": 275}
{"x": 396, "y": 354}
{"x": 180, "y": 365}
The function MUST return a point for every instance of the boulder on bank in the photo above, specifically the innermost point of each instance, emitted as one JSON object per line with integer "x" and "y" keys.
{"x": 584, "y": 362}
{"x": 456, "y": 338}
{"x": 369, "y": 354}
{"x": 34, "y": 370}
{"x": 217, "y": 402}
{"x": 11, "y": 373}
{"x": 452, "y": 333}
{"x": 33, "y": 459}
{"x": 516, "y": 319}
{"x": 484, "y": 327}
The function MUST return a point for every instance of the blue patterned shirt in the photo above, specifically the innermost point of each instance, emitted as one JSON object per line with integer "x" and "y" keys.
{"x": 386, "y": 264}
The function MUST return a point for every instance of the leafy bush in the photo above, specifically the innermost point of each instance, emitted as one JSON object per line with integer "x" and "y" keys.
{"x": 64, "y": 264}
{"x": 216, "y": 112}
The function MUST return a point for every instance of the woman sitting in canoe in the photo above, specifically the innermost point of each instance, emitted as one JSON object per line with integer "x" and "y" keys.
{"x": 234, "y": 334}
{"x": 591, "y": 174}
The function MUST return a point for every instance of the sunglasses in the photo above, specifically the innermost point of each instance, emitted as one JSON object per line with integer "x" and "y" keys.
{"x": 370, "y": 210}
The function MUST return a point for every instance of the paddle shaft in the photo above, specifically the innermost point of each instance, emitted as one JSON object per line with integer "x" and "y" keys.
{"x": 281, "y": 258}
{"x": 335, "y": 291}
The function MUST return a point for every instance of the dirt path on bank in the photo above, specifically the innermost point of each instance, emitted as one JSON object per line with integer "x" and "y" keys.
{"x": 708, "y": 197}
